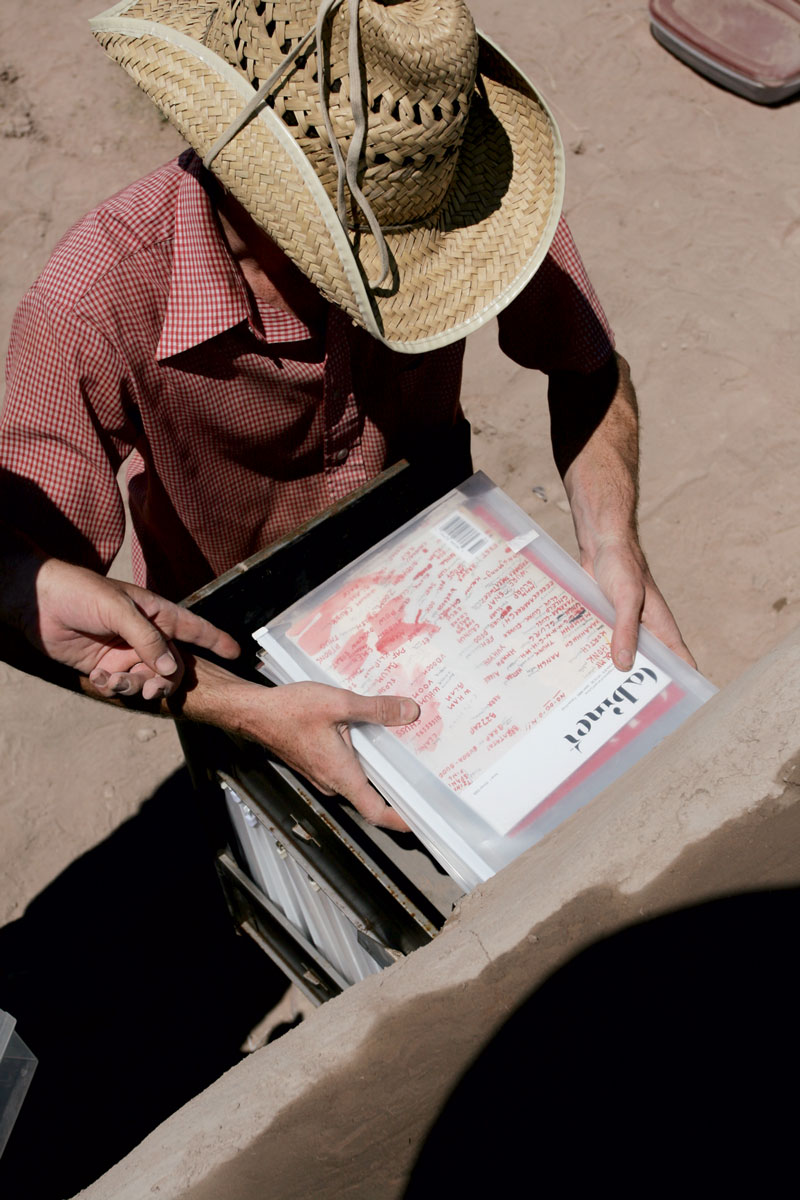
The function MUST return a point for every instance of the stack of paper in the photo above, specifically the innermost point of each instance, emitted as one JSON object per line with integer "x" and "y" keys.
{"x": 301, "y": 900}
{"x": 504, "y": 642}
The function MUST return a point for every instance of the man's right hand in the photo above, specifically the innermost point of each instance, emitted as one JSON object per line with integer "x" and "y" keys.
{"x": 307, "y": 726}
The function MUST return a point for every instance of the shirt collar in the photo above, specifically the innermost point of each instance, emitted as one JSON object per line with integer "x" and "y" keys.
{"x": 207, "y": 294}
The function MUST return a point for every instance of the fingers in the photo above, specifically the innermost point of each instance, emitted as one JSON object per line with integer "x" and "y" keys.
{"x": 622, "y": 576}
{"x": 374, "y": 809}
{"x": 364, "y": 797}
{"x": 649, "y": 608}
{"x": 341, "y": 771}
{"x": 149, "y": 664}
{"x": 646, "y": 606}
{"x": 184, "y": 626}
{"x": 178, "y": 624}
{"x": 354, "y": 786}
{"x": 622, "y": 573}
{"x": 628, "y": 610}
{"x": 334, "y": 769}
{"x": 352, "y": 783}
{"x": 155, "y": 688}
{"x": 147, "y": 642}
{"x": 110, "y": 679}
{"x": 307, "y": 725}
{"x": 658, "y": 618}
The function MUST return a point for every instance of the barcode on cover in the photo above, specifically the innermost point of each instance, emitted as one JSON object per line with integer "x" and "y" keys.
{"x": 462, "y": 536}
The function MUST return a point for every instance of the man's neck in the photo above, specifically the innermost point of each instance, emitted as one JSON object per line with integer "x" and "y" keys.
{"x": 269, "y": 273}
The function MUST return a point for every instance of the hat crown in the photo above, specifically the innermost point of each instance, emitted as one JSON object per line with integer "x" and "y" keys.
{"x": 419, "y": 68}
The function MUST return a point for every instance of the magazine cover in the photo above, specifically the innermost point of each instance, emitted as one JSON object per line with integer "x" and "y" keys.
{"x": 503, "y": 641}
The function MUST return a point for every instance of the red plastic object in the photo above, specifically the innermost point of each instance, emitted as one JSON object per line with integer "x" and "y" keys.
{"x": 751, "y": 47}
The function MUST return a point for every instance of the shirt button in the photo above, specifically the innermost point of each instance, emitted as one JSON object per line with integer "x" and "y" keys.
{"x": 339, "y": 455}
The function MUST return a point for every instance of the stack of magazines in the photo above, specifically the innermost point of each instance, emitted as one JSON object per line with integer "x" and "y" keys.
{"x": 503, "y": 640}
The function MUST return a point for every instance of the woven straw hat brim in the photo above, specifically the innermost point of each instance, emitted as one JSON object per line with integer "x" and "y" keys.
{"x": 454, "y": 272}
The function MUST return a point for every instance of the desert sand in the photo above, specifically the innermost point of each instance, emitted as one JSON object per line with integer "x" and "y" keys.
{"x": 685, "y": 202}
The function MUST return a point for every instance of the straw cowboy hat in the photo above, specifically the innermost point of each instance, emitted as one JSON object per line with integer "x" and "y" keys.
{"x": 397, "y": 156}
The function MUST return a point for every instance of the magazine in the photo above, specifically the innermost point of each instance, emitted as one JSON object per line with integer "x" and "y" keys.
{"x": 504, "y": 642}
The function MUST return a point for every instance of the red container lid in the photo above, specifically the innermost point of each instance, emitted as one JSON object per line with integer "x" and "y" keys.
{"x": 759, "y": 39}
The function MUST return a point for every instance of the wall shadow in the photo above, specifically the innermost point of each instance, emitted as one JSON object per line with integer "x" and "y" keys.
{"x": 129, "y": 983}
{"x": 660, "y": 1060}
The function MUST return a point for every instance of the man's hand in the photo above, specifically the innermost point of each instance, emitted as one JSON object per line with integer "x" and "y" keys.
{"x": 620, "y": 568}
{"x": 121, "y": 637}
{"x": 307, "y": 725}
{"x": 118, "y": 634}
{"x": 594, "y": 422}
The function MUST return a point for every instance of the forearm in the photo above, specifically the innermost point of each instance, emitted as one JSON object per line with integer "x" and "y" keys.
{"x": 214, "y": 696}
{"x": 595, "y": 433}
{"x": 208, "y": 692}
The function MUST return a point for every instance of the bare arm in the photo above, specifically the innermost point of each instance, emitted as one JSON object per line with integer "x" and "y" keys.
{"x": 595, "y": 433}
{"x": 116, "y": 642}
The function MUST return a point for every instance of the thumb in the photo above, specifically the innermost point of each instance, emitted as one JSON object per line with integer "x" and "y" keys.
{"x": 142, "y": 635}
{"x": 381, "y": 710}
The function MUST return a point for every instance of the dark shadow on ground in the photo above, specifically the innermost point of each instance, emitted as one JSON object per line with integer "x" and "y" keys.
{"x": 130, "y": 985}
{"x": 660, "y": 1061}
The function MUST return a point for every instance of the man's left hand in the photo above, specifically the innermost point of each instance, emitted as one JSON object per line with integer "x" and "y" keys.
{"x": 118, "y": 634}
{"x": 595, "y": 431}
{"x": 620, "y": 568}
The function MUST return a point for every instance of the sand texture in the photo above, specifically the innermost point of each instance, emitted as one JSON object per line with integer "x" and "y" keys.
{"x": 685, "y": 202}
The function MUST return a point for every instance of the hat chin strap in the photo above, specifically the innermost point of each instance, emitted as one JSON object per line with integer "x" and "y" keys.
{"x": 346, "y": 168}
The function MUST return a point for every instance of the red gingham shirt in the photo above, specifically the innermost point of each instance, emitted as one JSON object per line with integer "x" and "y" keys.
{"x": 141, "y": 337}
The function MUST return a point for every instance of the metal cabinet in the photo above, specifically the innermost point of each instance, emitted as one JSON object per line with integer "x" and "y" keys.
{"x": 328, "y": 897}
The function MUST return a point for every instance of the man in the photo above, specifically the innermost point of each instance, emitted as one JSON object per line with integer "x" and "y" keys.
{"x": 269, "y": 327}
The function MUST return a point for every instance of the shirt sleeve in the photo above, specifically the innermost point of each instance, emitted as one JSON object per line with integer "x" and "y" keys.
{"x": 557, "y": 323}
{"x": 64, "y": 432}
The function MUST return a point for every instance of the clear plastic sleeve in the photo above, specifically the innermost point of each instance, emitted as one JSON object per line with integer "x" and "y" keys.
{"x": 472, "y": 609}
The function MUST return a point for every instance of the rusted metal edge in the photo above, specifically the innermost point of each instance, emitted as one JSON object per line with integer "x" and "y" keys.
{"x": 328, "y": 884}
{"x": 285, "y": 945}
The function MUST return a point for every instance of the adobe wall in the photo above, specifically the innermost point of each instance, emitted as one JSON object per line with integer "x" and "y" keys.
{"x": 341, "y": 1105}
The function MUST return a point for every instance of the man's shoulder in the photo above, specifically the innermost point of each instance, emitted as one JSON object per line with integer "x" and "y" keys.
{"x": 135, "y": 224}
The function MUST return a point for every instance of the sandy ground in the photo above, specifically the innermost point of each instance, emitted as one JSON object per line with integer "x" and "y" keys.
{"x": 685, "y": 201}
